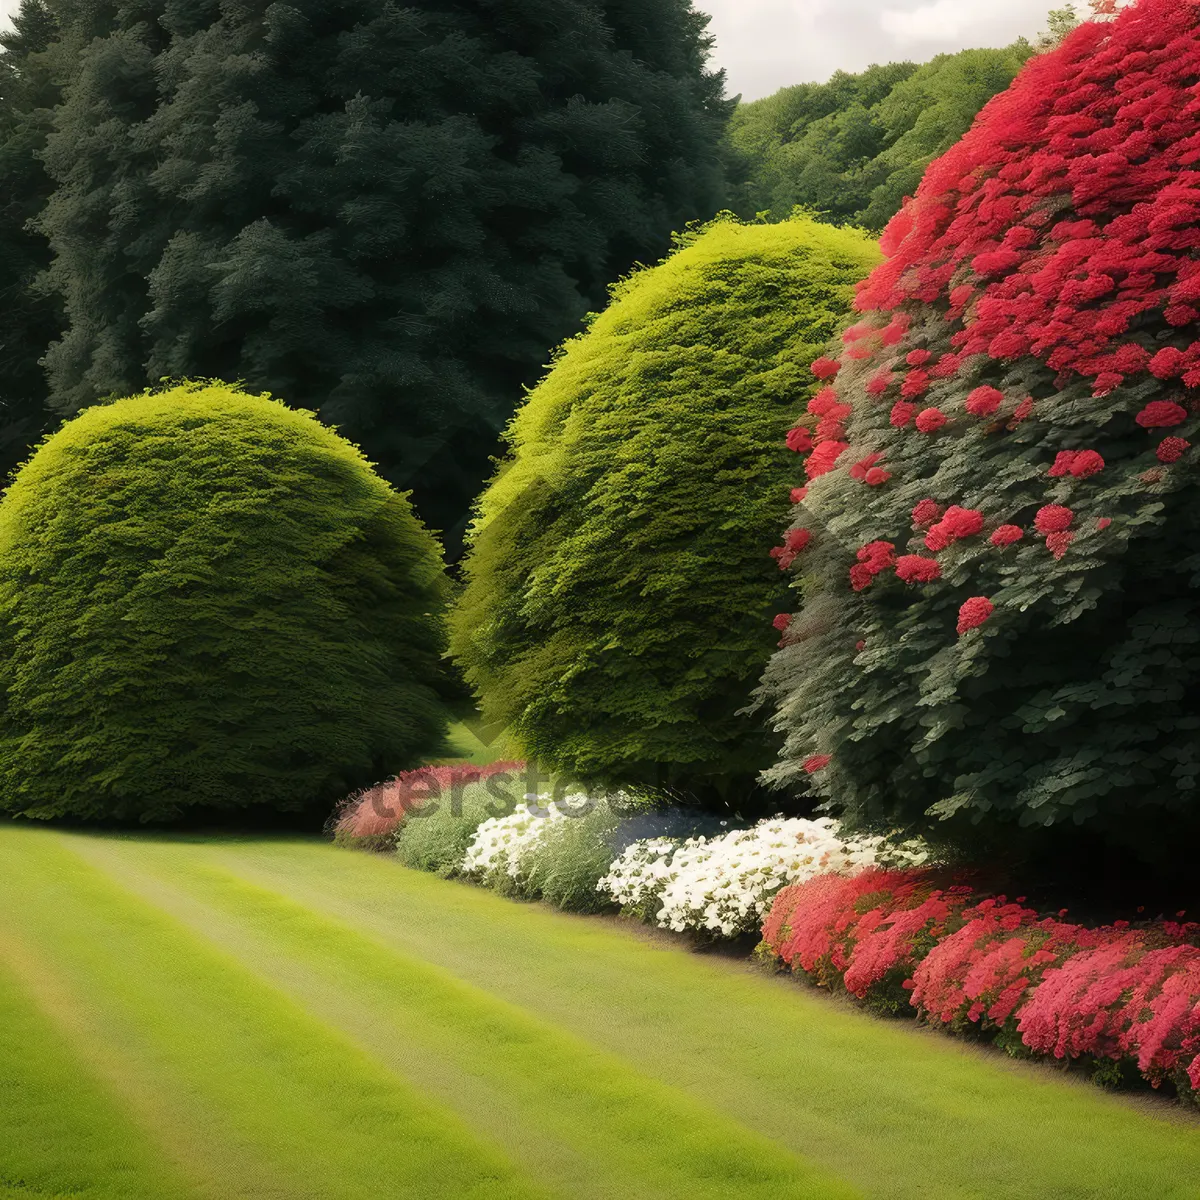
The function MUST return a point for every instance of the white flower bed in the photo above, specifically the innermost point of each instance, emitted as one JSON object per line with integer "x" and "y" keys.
{"x": 501, "y": 843}
{"x": 725, "y": 885}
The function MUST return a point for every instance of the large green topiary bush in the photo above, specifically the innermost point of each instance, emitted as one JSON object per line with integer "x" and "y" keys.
{"x": 208, "y": 599}
{"x": 1001, "y": 636}
{"x": 619, "y": 582}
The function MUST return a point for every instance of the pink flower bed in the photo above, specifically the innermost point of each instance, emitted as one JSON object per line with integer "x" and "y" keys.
{"x": 371, "y": 817}
{"x": 1116, "y": 993}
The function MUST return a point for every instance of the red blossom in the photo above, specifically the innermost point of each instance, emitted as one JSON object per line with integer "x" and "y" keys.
{"x": 824, "y": 402}
{"x": 984, "y": 401}
{"x": 974, "y": 612}
{"x": 825, "y": 368}
{"x": 1062, "y": 462}
{"x": 876, "y": 476}
{"x": 1059, "y": 543}
{"x": 1171, "y": 449}
{"x": 797, "y": 539}
{"x": 800, "y": 439}
{"x": 925, "y": 513}
{"x": 1103, "y": 523}
{"x": 823, "y": 458}
{"x": 956, "y": 523}
{"x": 1161, "y": 414}
{"x": 818, "y": 762}
{"x": 1086, "y": 463}
{"x": 782, "y": 621}
{"x": 877, "y": 555}
{"x": 859, "y": 469}
{"x": 1054, "y": 518}
{"x": 879, "y": 382}
{"x": 930, "y": 420}
{"x": 798, "y": 494}
{"x": 1023, "y": 411}
{"x": 916, "y": 383}
{"x": 1005, "y": 535}
{"x": 861, "y": 576}
{"x": 912, "y": 568}
{"x": 917, "y": 358}
{"x": 902, "y": 412}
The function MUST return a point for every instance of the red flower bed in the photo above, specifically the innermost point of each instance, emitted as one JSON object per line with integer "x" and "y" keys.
{"x": 864, "y": 931}
{"x": 1063, "y": 990}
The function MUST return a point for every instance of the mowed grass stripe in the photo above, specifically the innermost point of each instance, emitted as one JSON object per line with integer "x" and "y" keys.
{"x": 63, "y": 1132}
{"x": 290, "y": 1107}
{"x": 636, "y": 1136}
{"x": 903, "y": 1114}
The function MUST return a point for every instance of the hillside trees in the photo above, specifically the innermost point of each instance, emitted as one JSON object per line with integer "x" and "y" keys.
{"x": 208, "y": 600}
{"x": 387, "y": 213}
{"x": 1003, "y": 636}
{"x": 619, "y": 591}
{"x": 854, "y": 147}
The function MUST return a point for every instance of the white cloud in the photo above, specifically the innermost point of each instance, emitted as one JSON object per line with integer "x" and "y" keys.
{"x": 930, "y": 23}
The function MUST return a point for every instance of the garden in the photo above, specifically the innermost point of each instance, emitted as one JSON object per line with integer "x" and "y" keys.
{"x": 566, "y": 634}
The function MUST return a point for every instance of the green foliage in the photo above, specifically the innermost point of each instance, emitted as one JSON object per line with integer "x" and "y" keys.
{"x": 388, "y": 212}
{"x": 619, "y": 593}
{"x": 435, "y": 835}
{"x": 32, "y": 320}
{"x": 854, "y": 147}
{"x": 209, "y": 599}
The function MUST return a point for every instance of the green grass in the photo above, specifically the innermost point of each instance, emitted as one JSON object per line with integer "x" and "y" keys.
{"x": 276, "y": 1018}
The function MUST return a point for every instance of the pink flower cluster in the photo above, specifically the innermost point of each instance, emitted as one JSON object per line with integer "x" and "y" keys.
{"x": 1063, "y": 990}
{"x": 375, "y": 814}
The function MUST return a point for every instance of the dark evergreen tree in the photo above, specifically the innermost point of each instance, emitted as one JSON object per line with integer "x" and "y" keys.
{"x": 390, "y": 213}
{"x": 31, "y": 319}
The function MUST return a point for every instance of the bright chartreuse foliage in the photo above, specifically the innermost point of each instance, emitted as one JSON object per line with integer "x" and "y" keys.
{"x": 208, "y": 599}
{"x": 854, "y": 147}
{"x": 619, "y": 587}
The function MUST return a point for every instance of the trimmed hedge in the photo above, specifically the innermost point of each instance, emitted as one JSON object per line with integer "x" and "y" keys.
{"x": 208, "y": 599}
{"x": 1000, "y": 627}
{"x": 617, "y": 580}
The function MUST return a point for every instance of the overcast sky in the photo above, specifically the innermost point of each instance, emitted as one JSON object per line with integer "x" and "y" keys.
{"x": 765, "y": 44}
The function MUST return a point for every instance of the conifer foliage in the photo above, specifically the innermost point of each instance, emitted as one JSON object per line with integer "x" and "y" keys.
{"x": 208, "y": 599}
{"x": 388, "y": 212}
{"x": 1006, "y": 626}
{"x": 618, "y": 603}
{"x": 31, "y": 320}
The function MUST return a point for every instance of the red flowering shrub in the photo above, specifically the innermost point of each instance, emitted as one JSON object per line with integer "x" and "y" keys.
{"x": 1125, "y": 998}
{"x": 1035, "y": 329}
{"x": 981, "y": 973}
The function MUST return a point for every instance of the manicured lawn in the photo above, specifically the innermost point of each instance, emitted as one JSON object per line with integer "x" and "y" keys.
{"x": 276, "y": 1018}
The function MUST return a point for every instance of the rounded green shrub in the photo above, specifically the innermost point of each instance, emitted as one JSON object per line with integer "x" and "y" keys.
{"x": 208, "y": 599}
{"x": 618, "y": 586}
